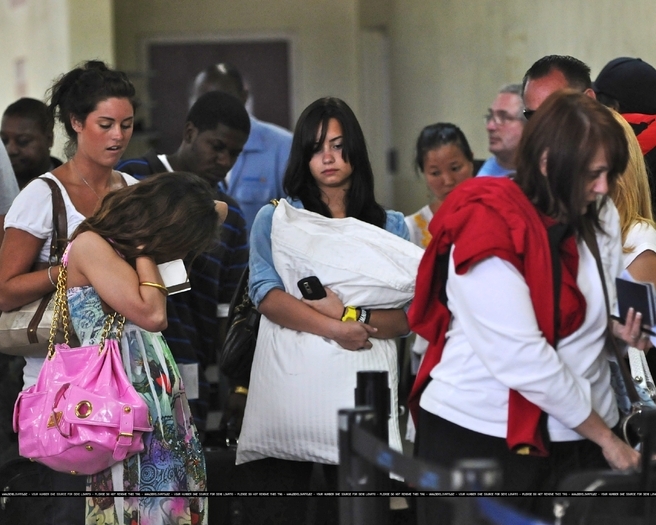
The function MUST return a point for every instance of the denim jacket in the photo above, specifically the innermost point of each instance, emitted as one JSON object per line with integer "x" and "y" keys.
{"x": 263, "y": 275}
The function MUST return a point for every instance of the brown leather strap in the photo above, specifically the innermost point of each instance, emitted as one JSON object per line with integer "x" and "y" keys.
{"x": 57, "y": 247}
{"x": 33, "y": 325}
{"x": 591, "y": 240}
{"x": 59, "y": 223}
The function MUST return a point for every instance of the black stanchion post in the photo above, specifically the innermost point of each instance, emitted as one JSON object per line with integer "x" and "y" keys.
{"x": 373, "y": 390}
{"x": 648, "y": 484}
{"x": 476, "y": 475}
{"x": 472, "y": 475}
{"x": 358, "y": 475}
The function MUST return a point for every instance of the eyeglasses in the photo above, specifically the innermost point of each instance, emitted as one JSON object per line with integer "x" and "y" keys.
{"x": 500, "y": 119}
{"x": 528, "y": 113}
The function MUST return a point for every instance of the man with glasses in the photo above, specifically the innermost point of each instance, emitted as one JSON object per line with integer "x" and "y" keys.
{"x": 504, "y": 123}
{"x": 551, "y": 73}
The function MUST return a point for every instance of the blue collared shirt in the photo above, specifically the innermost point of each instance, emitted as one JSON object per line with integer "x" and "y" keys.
{"x": 257, "y": 176}
{"x": 491, "y": 168}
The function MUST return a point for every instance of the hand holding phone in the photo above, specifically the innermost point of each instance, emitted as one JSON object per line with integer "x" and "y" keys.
{"x": 311, "y": 288}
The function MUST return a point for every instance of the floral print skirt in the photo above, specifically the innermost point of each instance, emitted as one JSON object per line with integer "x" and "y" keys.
{"x": 172, "y": 461}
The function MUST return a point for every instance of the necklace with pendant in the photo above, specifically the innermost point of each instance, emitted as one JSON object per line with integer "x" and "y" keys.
{"x": 84, "y": 180}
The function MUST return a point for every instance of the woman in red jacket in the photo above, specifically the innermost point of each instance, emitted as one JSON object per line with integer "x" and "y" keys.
{"x": 507, "y": 375}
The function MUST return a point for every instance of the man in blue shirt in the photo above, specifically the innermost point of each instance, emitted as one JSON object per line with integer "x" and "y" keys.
{"x": 504, "y": 123}
{"x": 257, "y": 176}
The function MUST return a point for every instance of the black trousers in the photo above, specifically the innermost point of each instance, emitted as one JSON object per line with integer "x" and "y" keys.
{"x": 63, "y": 510}
{"x": 274, "y": 476}
{"x": 444, "y": 443}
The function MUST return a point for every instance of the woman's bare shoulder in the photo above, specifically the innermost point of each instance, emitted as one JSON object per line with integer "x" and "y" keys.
{"x": 91, "y": 243}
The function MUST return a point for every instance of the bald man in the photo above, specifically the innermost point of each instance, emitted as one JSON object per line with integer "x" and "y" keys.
{"x": 257, "y": 176}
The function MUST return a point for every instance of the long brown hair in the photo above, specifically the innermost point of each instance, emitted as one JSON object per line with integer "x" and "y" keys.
{"x": 169, "y": 213}
{"x": 569, "y": 127}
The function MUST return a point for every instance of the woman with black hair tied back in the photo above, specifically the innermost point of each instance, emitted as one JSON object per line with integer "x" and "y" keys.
{"x": 444, "y": 158}
{"x": 510, "y": 374}
{"x": 96, "y": 106}
{"x": 309, "y": 351}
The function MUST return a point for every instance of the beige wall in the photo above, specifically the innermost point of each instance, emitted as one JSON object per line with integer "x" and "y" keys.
{"x": 50, "y": 37}
{"x": 449, "y": 57}
{"x": 34, "y": 32}
{"x": 324, "y": 36}
{"x": 91, "y": 30}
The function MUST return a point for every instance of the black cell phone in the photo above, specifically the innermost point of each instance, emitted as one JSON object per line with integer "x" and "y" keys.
{"x": 311, "y": 288}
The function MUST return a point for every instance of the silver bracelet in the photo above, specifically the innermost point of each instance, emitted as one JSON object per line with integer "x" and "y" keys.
{"x": 50, "y": 277}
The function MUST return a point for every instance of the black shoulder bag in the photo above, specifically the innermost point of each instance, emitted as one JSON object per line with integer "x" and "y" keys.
{"x": 239, "y": 345}
{"x": 238, "y": 348}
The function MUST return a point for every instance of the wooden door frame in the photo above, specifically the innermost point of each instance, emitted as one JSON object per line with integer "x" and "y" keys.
{"x": 233, "y": 38}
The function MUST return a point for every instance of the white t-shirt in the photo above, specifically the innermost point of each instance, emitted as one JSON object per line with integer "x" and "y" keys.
{"x": 418, "y": 223}
{"x": 494, "y": 344}
{"x": 640, "y": 238}
{"x": 32, "y": 212}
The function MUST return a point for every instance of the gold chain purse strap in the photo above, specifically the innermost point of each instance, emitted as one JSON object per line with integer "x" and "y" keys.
{"x": 61, "y": 313}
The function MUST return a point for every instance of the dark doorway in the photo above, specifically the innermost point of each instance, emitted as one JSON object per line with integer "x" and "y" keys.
{"x": 173, "y": 66}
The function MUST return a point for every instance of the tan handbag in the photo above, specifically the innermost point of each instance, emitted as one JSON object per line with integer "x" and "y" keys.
{"x": 25, "y": 331}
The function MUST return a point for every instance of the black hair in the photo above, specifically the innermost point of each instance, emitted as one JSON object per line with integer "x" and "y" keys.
{"x": 298, "y": 181}
{"x": 440, "y": 134}
{"x": 78, "y": 92}
{"x": 608, "y": 101}
{"x": 217, "y": 107}
{"x": 576, "y": 73}
{"x": 33, "y": 109}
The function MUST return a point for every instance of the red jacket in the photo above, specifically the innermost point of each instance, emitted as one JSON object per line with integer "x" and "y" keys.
{"x": 485, "y": 217}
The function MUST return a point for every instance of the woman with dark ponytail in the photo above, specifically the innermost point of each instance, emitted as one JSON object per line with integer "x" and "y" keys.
{"x": 96, "y": 106}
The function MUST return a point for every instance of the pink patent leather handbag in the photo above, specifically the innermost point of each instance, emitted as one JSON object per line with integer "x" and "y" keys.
{"x": 83, "y": 414}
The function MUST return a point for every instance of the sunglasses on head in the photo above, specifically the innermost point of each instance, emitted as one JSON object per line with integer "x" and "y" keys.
{"x": 528, "y": 113}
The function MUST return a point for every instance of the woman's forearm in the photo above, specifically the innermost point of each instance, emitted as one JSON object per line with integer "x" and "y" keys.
{"x": 619, "y": 455}
{"x": 390, "y": 323}
{"x": 19, "y": 284}
{"x": 287, "y": 311}
{"x": 282, "y": 308}
{"x": 147, "y": 270}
